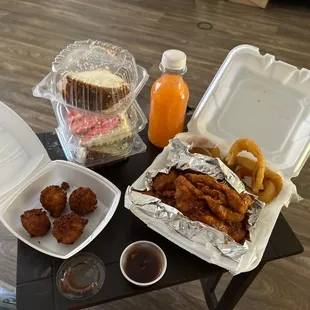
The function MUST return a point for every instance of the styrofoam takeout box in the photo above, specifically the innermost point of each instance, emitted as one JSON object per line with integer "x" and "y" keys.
{"x": 252, "y": 96}
{"x": 26, "y": 170}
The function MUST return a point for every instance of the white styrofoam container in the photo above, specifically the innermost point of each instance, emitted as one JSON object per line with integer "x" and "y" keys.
{"x": 257, "y": 97}
{"x": 26, "y": 170}
{"x": 252, "y": 96}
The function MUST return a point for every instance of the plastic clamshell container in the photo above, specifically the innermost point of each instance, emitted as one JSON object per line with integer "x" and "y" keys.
{"x": 257, "y": 97}
{"x": 94, "y": 76}
{"x": 27, "y": 170}
{"x": 93, "y": 130}
{"x": 100, "y": 155}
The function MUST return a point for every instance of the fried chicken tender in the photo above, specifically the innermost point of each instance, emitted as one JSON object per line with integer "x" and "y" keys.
{"x": 36, "y": 222}
{"x": 222, "y": 212}
{"x": 235, "y": 231}
{"x": 68, "y": 228}
{"x": 53, "y": 199}
{"x": 204, "y": 179}
{"x": 186, "y": 200}
{"x": 239, "y": 203}
{"x": 82, "y": 201}
{"x": 165, "y": 182}
{"x": 214, "y": 222}
{"x": 207, "y": 204}
{"x": 215, "y": 194}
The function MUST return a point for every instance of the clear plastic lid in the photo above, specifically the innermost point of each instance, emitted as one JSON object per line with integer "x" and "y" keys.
{"x": 94, "y": 76}
{"x": 100, "y": 154}
{"x": 92, "y": 129}
{"x": 81, "y": 276}
{"x": 255, "y": 96}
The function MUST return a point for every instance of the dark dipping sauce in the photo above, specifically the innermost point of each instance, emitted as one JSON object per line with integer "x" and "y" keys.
{"x": 143, "y": 263}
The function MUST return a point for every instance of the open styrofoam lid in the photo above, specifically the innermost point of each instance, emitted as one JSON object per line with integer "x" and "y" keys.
{"x": 254, "y": 96}
{"x": 21, "y": 152}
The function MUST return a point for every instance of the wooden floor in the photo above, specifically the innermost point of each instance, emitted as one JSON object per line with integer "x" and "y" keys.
{"x": 33, "y": 32}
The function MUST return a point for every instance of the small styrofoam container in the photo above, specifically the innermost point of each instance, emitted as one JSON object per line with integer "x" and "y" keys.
{"x": 124, "y": 258}
{"x": 252, "y": 96}
{"x": 26, "y": 170}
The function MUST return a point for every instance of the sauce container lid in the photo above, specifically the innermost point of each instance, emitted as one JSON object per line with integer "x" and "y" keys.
{"x": 95, "y": 76}
{"x": 81, "y": 276}
{"x": 255, "y": 96}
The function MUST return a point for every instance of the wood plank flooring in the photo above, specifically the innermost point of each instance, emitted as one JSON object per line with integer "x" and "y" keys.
{"x": 33, "y": 32}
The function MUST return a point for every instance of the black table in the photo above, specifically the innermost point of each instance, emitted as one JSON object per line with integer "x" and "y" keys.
{"x": 36, "y": 288}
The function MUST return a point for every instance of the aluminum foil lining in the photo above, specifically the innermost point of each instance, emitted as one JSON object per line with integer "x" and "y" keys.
{"x": 180, "y": 158}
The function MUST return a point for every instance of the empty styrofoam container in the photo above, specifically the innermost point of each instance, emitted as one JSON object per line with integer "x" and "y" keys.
{"x": 27, "y": 170}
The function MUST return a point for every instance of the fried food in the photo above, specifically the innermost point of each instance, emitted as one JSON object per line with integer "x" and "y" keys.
{"x": 68, "y": 228}
{"x": 186, "y": 199}
{"x": 64, "y": 186}
{"x": 239, "y": 203}
{"x": 238, "y": 232}
{"x": 214, "y": 222}
{"x": 211, "y": 152}
{"x": 53, "y": 199}
{"x": 222, "y": 212}
{"x": 194, "y": 203}
{"x": 152, "y": 193}
{"x": 205, "y": 180}
{"x": 202, "y": 198}
{"x": 259, "y": 169}
{"x": 270, "y": 190}
{"x": 83, "y": 201}
{"x": 269, "y": 175}
{"x": 165, "y": 182}
{"x": 36, "y": 222}
{"x": 215, "y": 194}
{"x": 168, "y": 194}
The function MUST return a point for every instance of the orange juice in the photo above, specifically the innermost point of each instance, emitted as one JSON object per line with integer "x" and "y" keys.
{"x": 169, "y": 97}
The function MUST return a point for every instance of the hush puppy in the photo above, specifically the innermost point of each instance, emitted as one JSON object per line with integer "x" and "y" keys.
{"x": 36, "y": 222}
{"x": 68, "y": 228}
{"x": 82, "y": 201}
{"x": 53, "y": 199}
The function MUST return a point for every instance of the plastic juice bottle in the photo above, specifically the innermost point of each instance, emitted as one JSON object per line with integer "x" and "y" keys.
{"x": 169, "y": 97}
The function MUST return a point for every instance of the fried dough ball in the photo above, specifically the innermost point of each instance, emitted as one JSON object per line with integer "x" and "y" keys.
{"x": 68, "y": 228}
{"x": 53, "y": 199}
{"x": 36, "y": 222}
{"x": 82, "y": 201}
{"x": 64, "y": 186}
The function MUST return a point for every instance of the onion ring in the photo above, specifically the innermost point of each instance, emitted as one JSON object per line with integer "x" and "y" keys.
{"x": 269, "y": 174}
{"x": 259, "y": 168}
{"x": 269, "y": 191}
{"x": 272, "y": 181}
